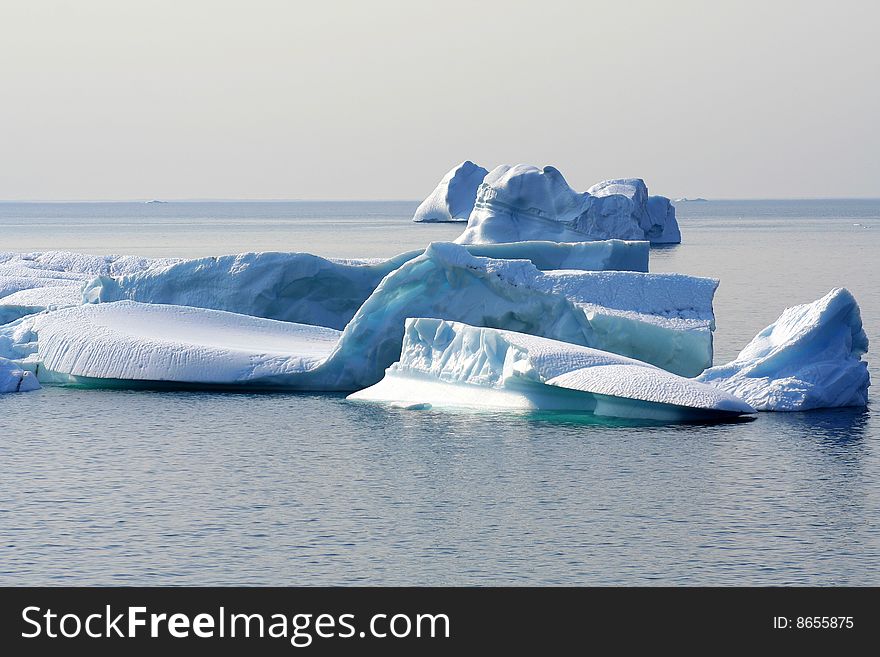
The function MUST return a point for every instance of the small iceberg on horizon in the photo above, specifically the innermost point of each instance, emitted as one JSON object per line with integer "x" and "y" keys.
{"x": 451, "y": 364}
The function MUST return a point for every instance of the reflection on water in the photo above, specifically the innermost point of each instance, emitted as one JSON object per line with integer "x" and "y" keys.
{"x": 151, "y": 487}
{"x": 843, "y": 426}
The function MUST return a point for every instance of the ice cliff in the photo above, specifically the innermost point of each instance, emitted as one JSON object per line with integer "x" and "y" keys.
{"x": 445, "y": 363}
{"x": 300, "y": 287}
{"x": 453, "y": 198}
{"x": 811, "y": 357}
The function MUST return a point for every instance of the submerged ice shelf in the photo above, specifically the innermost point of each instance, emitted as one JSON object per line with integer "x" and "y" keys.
{"x": 450, "y": 364}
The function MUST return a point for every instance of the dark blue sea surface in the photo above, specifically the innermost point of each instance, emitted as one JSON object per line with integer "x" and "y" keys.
{"x": 176, "y": 487}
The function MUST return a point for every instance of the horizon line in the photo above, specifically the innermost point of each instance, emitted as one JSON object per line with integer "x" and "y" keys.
{"x": 162, "y": 201}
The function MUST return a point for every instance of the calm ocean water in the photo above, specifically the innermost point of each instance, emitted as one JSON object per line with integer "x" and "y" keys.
{"x": 124, "y": 487}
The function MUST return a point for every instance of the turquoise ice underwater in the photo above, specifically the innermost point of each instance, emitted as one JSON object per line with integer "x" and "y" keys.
{"x": 432, "y": 497}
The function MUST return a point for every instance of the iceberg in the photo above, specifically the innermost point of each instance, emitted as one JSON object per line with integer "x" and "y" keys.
{"x": 308, "y": 289}
{"x": 33, "y": 282}
{"x": 451, "y": 364}
{"x": 523, "y": 202}
{"x": 453, "y": 198}
{"x": 663, "y": 224}
{"x": 15, "y": 379}
{"x": 103, "y": 344}
{"x": 128, "y": 341}
{"x": 296, "y": 287}
{"x": 811, "y": 357}
{"x": 622, "y": 207}
{"x": 67, "y": 265}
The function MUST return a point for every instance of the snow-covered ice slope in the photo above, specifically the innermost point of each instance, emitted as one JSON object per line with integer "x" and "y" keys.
{"x": 300, "y": 287}
{"x": 811, "y": 357}
{"x": 453, "y": 198}
{"x": 523, "y": 202}
{"x": 445, "y": 363}
{"x": 15, "y": 379}
{"x": 130, "y": 341}
{"x": 32, "y": 282}
{"x": 154, "y": 342}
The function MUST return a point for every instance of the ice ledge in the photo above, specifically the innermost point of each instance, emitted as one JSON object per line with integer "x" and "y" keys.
{"x": 445, "y": 363}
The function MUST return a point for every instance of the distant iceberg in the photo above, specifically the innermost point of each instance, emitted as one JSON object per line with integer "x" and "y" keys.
{"x": 811, "y": 357}
{"x": 453, "y": 198}
{"x": 450, "y": 364}
{"x": 523, "y": 202}
{"x": 623, "y": 205}
{"x": 15, "y": 379}
{"x": 664, "y": 319}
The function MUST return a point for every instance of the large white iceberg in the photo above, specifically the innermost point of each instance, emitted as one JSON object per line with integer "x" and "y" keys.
{"x": 15, "y": 379}
{"x": 300, "y": 287}
{"x": 523, "y": 202}
{"x": 453, "y": 198}
{"x": 451, "y": 364}
{"x": 808, "y": 358}
{"x": 664, "y": 319}
{"x": 112, "y": 343}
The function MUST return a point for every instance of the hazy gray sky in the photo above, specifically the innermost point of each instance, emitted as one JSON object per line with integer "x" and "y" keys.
{"x": 114, "y": 99}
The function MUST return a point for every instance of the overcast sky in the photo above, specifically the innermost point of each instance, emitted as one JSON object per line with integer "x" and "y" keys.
{"x": 376, "y": 99}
